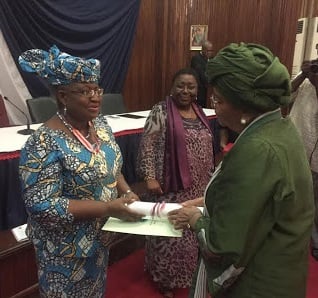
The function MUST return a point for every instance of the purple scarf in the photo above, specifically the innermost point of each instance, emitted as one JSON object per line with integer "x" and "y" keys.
{"x": 177, "y": 171}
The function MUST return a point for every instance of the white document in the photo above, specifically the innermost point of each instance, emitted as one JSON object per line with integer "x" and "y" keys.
{"x": 19, "y": 233}
{"x": 147, "y": 226}
{"x": 154, "y": 223}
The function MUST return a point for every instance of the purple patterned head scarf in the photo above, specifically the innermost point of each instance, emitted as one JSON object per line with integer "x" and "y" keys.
{"x": 60, "y": 68}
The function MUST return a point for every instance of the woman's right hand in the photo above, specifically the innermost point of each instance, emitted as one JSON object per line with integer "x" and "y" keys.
{"x": 153, "y": 186}
{"x": 119, "y": 208}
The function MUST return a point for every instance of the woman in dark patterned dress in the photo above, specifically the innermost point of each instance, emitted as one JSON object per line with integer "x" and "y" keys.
{"x": 176, "y": 160}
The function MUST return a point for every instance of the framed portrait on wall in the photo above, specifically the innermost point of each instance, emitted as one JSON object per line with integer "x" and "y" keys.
{"x": 198, "y": 33}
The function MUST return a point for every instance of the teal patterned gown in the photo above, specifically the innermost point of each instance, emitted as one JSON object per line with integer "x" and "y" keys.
{"x": 55, "y": 168}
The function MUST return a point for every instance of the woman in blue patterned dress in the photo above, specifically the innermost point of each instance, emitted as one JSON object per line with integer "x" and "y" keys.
{"x": 71, "y": 175}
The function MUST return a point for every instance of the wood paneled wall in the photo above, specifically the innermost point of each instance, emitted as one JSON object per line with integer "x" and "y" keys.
{"x": 162, "y": 41}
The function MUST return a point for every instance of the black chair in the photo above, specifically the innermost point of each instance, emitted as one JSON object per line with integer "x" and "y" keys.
{"x": 41, "y": 108}
{"x": 113, "y": 103}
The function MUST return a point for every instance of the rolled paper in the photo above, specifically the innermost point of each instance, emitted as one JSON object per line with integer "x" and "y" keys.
{"x": 153, "y": 209}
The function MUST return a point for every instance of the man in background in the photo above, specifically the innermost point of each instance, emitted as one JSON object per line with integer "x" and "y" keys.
{"x": 198, "y": 63}
{"x": 304, "y": 114}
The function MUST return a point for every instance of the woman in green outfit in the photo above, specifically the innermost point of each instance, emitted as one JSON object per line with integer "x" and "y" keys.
{"x": 256, "y": 225}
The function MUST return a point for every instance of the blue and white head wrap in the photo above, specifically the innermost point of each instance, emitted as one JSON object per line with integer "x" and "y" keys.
{"x": 60, "y": 68}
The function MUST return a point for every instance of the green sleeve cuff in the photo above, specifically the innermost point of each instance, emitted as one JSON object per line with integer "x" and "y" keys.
{"x": 201, "y": 223}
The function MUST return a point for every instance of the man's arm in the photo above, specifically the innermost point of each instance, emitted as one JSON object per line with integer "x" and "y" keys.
{"x": 305, "y": 70}
{"x": 200, "y": 67}
{"x": 297, "y": 81}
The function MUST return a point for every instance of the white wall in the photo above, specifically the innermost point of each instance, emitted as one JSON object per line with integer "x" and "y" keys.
{"x": 12, "y": 86}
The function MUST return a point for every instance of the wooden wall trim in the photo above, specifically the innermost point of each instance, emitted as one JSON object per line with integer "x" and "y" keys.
{"x": 161, "y": 45}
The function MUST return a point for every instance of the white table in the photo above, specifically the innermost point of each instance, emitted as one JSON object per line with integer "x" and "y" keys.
{"x": 11, "y": 141}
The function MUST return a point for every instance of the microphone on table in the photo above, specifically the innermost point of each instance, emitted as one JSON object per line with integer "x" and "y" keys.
{"x": 28, "y": 130}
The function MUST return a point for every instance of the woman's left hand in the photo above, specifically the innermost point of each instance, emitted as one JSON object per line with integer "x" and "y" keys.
{"x": 198, "y": 202}
{"x": 184, "y": 218}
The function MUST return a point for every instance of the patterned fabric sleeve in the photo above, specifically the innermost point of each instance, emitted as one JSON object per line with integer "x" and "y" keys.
{"x": 41, "y": 177}
{"x": 151, "y": 150}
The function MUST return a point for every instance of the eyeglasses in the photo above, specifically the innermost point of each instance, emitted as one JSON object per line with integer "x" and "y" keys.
{"x": 89, "y": 92}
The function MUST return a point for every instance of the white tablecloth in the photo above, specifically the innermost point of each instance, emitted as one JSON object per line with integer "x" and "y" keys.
{"x": 11, "y": 141}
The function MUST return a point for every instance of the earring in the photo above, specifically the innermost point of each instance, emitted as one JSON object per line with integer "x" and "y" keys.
{"x": 64, "y": 111}
{"x": 243, "y": 121}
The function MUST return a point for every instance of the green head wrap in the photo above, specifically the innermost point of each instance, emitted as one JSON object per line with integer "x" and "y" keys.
{"x": 249, "y": 75}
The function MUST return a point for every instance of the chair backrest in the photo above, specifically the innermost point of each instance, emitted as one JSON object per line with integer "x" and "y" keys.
{"x": 41, "y": 108}
{"x": 113, "y": 103}
{"x": 4, "y": 120}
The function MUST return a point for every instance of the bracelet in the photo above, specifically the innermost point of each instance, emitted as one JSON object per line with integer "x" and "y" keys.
{"x": 128, "y": 191}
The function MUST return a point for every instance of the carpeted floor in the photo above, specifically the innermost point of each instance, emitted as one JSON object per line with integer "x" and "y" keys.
{"x": 312, "y": 281}
{"x": 127, "y": 278}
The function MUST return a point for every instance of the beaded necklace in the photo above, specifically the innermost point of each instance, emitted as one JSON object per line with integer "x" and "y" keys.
{"x": 94, "y": 148}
